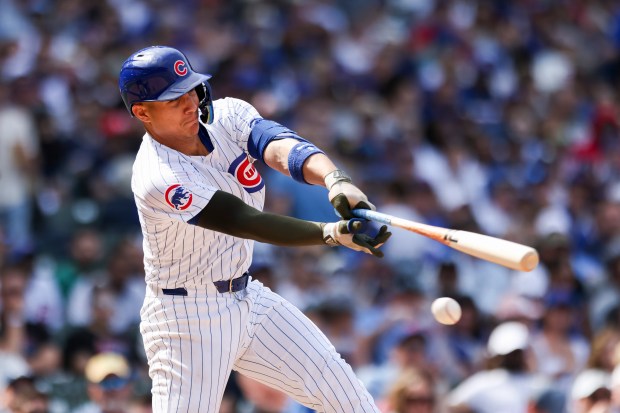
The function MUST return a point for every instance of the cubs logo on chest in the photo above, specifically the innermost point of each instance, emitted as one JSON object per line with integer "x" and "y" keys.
{"x": 246, "y": 174}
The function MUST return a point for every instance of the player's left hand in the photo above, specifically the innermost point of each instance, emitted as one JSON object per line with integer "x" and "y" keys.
{"x": 344, "y": 233}
{"x": 345, "y": 196}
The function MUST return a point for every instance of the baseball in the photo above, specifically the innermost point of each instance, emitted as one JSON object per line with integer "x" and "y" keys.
{"x": 446, "y": 310}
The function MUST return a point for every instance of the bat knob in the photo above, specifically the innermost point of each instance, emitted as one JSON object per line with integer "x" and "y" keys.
{"x": 355, "y": 225}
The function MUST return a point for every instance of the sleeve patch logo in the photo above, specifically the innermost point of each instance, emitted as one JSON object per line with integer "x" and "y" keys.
{"x": 246, "y": 174}
{"x": 178, "y": 197}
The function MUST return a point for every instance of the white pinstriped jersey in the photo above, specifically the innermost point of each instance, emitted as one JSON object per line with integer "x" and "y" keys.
{"x": 170, "y": 188}
{"x": 194, "y": 339}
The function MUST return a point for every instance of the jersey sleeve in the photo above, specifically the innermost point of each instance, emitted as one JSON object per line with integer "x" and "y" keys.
{"x": 174, "y": 193}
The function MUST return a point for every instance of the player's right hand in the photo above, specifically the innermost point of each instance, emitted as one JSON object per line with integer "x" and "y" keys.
{"x": 344, "y": 233}
{"x": 345, "y": 196}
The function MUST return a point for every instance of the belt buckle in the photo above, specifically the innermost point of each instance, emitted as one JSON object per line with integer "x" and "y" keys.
{"x": 230, "y": 285}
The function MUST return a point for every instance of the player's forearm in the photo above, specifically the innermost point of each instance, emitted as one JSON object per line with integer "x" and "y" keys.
{"x": 277, "y": 156}
{"x": 316, "y": 168}
{"x": 279, "y": 229}
{"x": 228, "y": 214}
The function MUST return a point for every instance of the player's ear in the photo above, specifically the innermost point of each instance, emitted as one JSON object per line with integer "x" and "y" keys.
{"x": 140, "y": 112}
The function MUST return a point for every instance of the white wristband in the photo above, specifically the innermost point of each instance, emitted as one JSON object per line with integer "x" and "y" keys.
{"x": 330, "y": 232}
{"x": 336, "y": 176}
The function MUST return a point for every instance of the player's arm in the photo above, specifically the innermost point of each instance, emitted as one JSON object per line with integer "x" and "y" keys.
{"x": 316, "y": 166}
{"x": 230, "y": 215}
{"x": 285, "y": 151}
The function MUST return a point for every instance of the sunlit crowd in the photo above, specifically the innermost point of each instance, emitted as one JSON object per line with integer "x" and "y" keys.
{"x": 497, "y": 117}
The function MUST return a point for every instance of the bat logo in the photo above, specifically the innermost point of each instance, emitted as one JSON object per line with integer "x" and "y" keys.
{"x": 180, "y": 68}
{"x": 451, "y": 236}
{"x": 178, "y": 197}
{"x": 246, "y": 174}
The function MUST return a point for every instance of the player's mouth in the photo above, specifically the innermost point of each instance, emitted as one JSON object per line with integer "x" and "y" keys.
{"x": 191, "y": 122}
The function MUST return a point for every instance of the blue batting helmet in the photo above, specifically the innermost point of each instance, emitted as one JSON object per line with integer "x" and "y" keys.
{"x": 160, "y": 73}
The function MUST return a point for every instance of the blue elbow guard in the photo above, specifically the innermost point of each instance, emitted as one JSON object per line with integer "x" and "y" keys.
{"x": 263, "y": 132}
{"x": 298, "y": 156}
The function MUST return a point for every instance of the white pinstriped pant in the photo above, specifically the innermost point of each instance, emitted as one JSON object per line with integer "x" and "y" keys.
{"x": 193, "y": 342}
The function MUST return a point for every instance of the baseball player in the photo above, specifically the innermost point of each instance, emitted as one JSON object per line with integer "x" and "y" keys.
{"x": 200, "y": 201}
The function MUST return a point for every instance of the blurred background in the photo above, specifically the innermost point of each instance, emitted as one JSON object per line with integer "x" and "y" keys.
{"x": 499, "y": 117}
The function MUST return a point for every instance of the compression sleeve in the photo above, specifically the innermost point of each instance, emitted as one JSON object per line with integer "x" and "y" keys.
{"x": 230, "y": 215}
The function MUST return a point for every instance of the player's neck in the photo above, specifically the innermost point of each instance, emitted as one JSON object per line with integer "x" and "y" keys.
{"x": 192, "y": 147}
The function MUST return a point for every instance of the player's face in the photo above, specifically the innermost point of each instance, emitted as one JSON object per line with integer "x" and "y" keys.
{"x": 174, "y": 118}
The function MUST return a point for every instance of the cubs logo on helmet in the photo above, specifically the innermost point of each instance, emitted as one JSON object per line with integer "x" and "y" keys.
{"x": 180, "y": 68}
{"x": 178, "y": 197}
{"x": 246, "y": 174}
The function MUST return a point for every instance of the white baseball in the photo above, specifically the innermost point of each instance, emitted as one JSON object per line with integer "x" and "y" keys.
{"x": 446, "y": 310}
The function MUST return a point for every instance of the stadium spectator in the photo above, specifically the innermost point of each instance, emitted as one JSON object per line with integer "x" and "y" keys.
{"x": 605, "y": 350}
{"x": 462, "y": 346}
{"x": 560, "y": 350}
{"x": 409, "y": 352}
{"x": 590, "y": 392}
{"x": 23, "y": 396}
{"x": 413, "y": 391}
{"x": 19, "y": 151}
{"x": 109, "y": 384}
{"x": 85, "y": 256}
{"x": 124, "y": 293}
{"x": 510, "y": 383}
{"x": 614, "y": 385}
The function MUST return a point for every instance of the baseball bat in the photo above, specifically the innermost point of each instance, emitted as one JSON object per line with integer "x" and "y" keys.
{"x": 509, "y": 254}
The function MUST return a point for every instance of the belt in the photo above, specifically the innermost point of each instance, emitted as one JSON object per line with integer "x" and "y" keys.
{"x": 222, "y": 286}
{"x": 234, "y": 285}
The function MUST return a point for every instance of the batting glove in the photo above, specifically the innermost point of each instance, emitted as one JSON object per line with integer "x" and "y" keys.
{"x": 344, "y": 233}
{"x": 345, "y": 196}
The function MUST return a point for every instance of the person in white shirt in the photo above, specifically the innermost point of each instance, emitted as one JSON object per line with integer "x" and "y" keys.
{"x": 19, "y": 150}
{"x": 511, "y": 387}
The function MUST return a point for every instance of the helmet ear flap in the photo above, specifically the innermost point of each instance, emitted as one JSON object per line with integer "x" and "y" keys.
{"x": 205, "y": 105}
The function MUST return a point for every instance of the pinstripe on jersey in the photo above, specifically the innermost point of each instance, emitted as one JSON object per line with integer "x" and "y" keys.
{"x": 179, "y": 254}
{"x": 193, "y": 341}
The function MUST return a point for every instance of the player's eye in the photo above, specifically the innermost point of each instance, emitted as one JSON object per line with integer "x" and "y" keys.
{"x": 178, "y": 100}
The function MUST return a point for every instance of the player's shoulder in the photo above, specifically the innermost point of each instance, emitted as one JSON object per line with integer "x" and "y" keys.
{"x": 149, "y": 153}
{"x": 231, "y": 103}
{"x": 234, "y": 107}
{"x": 153, "y": 166}
{"x": 152, "y": 151}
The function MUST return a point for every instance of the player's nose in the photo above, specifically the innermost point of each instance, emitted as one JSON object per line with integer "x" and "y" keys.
{"x": 190, "y": 101}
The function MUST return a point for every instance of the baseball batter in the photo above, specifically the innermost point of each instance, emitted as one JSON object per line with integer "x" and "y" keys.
{"x": 200, "y": 201}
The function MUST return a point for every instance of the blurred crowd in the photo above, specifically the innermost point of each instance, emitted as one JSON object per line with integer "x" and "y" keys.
{"x": 498, "y": 117}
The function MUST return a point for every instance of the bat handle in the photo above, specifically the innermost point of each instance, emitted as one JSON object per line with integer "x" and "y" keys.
{"x": 354, "y": 229}
{"x": 372, "y": 216}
